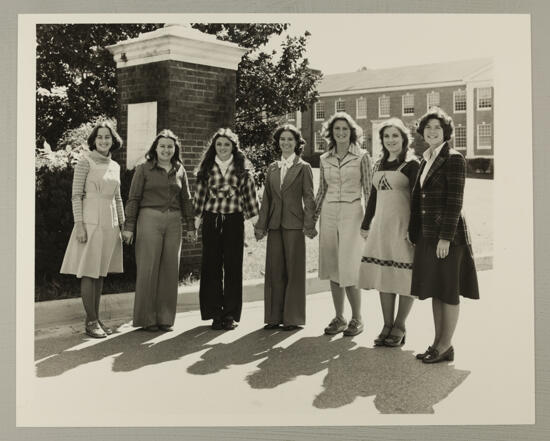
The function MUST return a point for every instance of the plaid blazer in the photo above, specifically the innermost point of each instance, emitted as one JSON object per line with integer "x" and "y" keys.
{"x": 436, "y": 208}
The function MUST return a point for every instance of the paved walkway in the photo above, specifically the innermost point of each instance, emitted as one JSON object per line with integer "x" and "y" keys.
{"x": 250, "y": 376}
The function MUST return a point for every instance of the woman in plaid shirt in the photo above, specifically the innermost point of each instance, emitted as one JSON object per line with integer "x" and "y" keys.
{"x": 443, "y": 266}
{"x": 224, "y": 198}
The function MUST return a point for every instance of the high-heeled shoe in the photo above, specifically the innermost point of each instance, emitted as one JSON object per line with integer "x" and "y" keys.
{"x": 393, "y": 340}
{"x": 379, "y": 341}
{"x": 436, "y": 357}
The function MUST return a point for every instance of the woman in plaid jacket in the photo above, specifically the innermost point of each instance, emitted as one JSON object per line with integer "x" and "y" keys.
{"x": 224, "y": 198}
{"x": 443, "y": 267}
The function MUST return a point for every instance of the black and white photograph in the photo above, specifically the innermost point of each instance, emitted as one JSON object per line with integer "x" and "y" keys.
{"x": 274, "y": 220}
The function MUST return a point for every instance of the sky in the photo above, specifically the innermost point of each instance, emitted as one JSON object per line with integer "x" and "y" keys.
{"x": 345, "y": 42}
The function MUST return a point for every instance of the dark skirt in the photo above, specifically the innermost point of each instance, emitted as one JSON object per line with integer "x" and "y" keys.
{"x": 444, "y": 279}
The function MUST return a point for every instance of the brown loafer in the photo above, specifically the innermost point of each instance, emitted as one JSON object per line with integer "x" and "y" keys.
{"x": 436, "y": 357}
{"x": 425, "y": 353}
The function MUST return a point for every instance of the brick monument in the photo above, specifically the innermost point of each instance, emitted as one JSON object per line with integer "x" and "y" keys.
{"x": 180, "y": 79}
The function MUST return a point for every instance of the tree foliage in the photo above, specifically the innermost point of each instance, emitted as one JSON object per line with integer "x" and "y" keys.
{"x": 76, "y": 78}
{"x": 76, "y": 74}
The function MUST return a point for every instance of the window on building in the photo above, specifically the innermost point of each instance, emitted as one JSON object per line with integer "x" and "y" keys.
{"x": 459, "y": 100}
{"x": 460, "y": 137}
{"x": 319, "y": 143}
{"x": 340, "y": 105}
{"x": 432, "y": 99}
{"x": 484, "y": 98}
{"x": 291, "y": 116}
{"x": 384, "y": 106}
{"x": 361, "y": 107}
{"x": 408, "y": 104}
{"x": 484, "y": 136}
{"x": 320, "y": 111}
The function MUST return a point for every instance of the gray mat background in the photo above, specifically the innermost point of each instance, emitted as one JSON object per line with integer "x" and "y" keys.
{"x": 541, "y": 134}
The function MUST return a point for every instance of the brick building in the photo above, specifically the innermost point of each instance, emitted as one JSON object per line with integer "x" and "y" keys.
{"x": 464, "y": 89}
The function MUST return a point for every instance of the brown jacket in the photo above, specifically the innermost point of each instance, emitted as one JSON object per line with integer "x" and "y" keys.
{"x": 291, "y": 206}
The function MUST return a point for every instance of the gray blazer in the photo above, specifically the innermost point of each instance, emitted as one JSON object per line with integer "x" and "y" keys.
{"x": 291, "y": 206}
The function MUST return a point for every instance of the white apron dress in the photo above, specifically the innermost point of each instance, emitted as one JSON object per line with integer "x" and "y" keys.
{"x": 102, "y": 251}
{"x": 387, "y": 259}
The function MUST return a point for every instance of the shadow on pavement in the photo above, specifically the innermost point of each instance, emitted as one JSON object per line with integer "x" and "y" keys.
{"x": 254, "y": 346}
{"x": 132, "y": 347}
{"x": 180, "y": 345}
{"x": 398, "y": 381}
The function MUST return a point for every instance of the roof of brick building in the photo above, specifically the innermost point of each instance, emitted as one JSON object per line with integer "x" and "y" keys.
{"x": 403, "y": 76}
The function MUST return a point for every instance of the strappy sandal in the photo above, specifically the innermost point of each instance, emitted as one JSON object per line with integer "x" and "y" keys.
{"x": 379, "y": 341}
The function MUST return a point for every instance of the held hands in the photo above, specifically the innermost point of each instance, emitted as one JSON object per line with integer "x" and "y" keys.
{"x": 191, "y": 236}
{"x": 259, "y": 234}
{"x": 442, "y": 249}
{"x": 364, "y": 233}
{"x": 81, "y": 235}
{"x": 128, "y": 237}
{"x": 310, "y": 233}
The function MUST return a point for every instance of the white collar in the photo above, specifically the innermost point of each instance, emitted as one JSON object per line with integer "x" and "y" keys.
{"x": 223, "y": 164}
{"x": 427, "y": 155}
{"x": 288, "y": 161}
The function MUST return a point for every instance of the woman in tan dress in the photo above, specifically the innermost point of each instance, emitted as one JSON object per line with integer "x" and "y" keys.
{"x": 345, "y": 175}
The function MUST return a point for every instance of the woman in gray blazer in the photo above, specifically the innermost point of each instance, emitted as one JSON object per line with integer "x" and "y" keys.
{"x": 286, "y": 216}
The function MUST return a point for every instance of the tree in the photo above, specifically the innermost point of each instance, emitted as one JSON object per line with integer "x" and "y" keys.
{"x": 76, "y": 74}
{"x": 76, "y": 79}
{"x": 268, "y": 87}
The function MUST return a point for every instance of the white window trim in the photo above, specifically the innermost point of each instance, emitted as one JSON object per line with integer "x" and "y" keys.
{"x": 292, "y": 118}
{"x": 315, "y": 139}
{"x": 485, "y": 147}
{"x": 380, "y": 114}
{"x": 454, "y": 101}
{"x": 357, "y": 101}
{"x": 403, "y": 104}
{"x": 483, "y": 109}
{"x": 465, "y": 137}
{"x": 428, "y": 105}
{"x": 315, "y": 111}
{"x": 339, "y": 100}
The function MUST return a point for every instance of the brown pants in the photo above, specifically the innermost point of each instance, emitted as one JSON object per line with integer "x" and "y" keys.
{"x": 158, "y": 245}
{"x": 285, "y": 277}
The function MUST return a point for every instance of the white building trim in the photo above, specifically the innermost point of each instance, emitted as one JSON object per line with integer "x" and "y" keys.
{"x": 390, "y": 89}
{"x": 177, "y": 43}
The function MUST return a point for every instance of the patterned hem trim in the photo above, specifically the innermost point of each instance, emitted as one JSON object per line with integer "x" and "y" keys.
{"x": 387, "y": 262}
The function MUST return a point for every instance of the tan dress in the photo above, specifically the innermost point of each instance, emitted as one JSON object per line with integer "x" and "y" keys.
{"x": 102, "y": 252}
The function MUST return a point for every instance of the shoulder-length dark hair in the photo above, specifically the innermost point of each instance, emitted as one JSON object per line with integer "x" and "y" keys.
{"x": 300, "y": 141}
{"x": 209, "y": 156}
{"x": 117, "y": 140}
{"x": 406, "y": 151}
{"x": 445, "y": 120}
{"x": 152, "y": 152}
{"x": 356, "y": 132}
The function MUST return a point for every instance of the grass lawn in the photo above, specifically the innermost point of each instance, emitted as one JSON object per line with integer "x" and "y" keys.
{"x": 478, "y": 208}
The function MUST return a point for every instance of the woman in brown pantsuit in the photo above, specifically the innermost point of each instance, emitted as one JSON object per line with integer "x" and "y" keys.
{"x": 286, "y": 216}
{"x": 158, "y": 203}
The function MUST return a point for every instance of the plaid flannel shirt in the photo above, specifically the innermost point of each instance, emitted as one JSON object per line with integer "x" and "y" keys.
{"x": 226, "y": 194}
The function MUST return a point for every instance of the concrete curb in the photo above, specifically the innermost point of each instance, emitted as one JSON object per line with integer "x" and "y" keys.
{"x": 55, "y": 313}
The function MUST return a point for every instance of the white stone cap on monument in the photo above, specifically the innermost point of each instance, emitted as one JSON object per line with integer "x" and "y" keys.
{"x": 178, "y": 42}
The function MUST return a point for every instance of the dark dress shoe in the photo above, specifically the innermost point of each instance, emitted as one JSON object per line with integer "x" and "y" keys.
{"x": 152, "y": 328}
{"x": 291, "y": 327}
{"x": 436, "y": 357}
{"x": 217, "y": 324}
{"x": 425, "y": 353}
{"x": 272, "y": 326}
{"x": 229, "y": 324}
{"x": 166, "y": 328}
